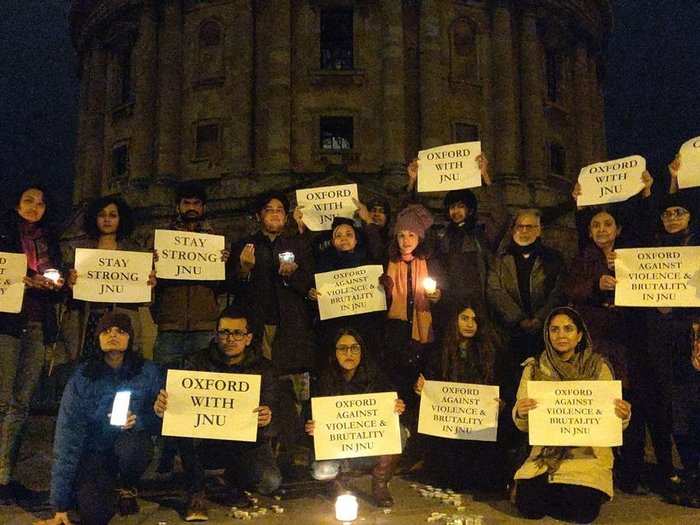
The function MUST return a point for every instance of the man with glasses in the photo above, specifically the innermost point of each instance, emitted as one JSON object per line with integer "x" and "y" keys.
{"x": 247, "y": 465}
{"x": 524, "y": 285}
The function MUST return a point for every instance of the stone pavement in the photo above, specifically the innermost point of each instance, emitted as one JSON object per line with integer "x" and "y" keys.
{"x": 161, "y": 503}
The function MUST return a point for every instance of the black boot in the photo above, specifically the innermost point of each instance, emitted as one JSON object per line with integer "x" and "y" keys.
{"x": 381, "y": 474}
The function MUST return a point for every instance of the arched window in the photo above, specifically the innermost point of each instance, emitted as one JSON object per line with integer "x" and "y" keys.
{"x": 210, "y": 52}
{"x": 464, "y": 44}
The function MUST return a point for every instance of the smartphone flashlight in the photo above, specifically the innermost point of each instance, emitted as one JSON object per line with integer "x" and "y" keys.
{"x": 120, "y": 408}
{"x": 286, "y": 257}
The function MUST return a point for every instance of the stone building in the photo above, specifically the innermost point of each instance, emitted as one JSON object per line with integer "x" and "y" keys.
{"x": 249, "y": 95}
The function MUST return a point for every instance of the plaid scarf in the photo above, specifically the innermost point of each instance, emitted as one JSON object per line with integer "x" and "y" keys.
{"x": 35, "y": 246}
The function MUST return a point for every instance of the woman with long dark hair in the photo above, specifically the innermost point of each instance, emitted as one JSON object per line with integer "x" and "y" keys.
{"x": 97, "y": 465}
{"x": 467, "y": 356}
{"x": 351, "y": 371}
{"x": 568, "y": 483}
{"x": 24, "y": 229}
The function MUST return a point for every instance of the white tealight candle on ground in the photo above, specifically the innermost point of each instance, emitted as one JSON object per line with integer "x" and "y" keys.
{"x": 429, "y": 285}
{"x": 52, "y": 274}
{"x": 346, "y": 508}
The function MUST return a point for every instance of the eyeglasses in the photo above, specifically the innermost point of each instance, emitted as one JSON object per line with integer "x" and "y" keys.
{"x": 526, "y": 227}
{"x": 236, "y": 335}
{"x": 672, "y": 213}
{"x": 349, "y": 349}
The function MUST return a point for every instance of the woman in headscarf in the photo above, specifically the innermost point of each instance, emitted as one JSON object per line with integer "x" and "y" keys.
{"x": 568, "y": 483}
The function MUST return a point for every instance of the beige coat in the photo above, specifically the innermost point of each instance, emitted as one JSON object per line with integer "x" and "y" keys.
{"x": 589, "y": 466}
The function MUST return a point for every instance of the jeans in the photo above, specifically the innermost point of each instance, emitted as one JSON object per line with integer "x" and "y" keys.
{"x": 100, "y": 473}
{"x": 21, "y": 362}
{"x": 172, "y": 348}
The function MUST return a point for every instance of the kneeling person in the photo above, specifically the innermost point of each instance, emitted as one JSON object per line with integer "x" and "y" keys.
{"x": 247, "y": 465}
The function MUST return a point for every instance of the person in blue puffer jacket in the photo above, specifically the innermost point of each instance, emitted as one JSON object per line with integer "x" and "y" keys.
{"x": 97, "y": 465}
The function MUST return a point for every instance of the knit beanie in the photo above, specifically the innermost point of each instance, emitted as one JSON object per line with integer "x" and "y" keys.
{"x": 117, "y": 319}
{"x": 674, "y": 200}
{"x": 415, "y": 218}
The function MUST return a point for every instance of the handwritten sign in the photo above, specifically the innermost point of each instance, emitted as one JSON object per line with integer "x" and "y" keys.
{"x": 13, "y": 268}
{"x": 211, "y": 405}
{"x": 351, "y": 291}
{"x": 189, "y": 256}
{"x": 112, "y": 276}
{"x": 575, "y": 413}
{"x": 612, "y": 181}
{"x": 658, "y": 277}
{"x": 355, "y": 426}
{"x": 689, "y": 172}
{"x": 459, "y": 411}
{"x": 451, "y": 167}
{"x": 322, "y": 205}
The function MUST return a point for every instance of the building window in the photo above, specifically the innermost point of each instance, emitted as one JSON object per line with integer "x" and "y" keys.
{"x": 464, "y": 61}
{"x": 120, "y": 161}
{"x": 336, "y": 133}
{"x": 557, "y": 159}
{"x": 464, "y": 132}
{"x": 208, "y": 141}
{"x": 553, "y": 71}
{"x": 210, "y": 52}
{"x": 337, "y": 39}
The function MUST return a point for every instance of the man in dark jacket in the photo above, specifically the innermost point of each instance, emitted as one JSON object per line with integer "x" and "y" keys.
{"x": 524, "y": 284}
{"x": 248, "y": 465}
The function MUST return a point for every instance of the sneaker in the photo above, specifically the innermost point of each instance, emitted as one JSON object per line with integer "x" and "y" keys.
{"x": 126, "y": 502}
{"x": 197, "y": 508}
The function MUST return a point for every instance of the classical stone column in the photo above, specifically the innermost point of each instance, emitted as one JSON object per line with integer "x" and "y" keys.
{"x": 582, "y": 108}
{"x": 532, "y": 96}
{"x": 598, "y": 120}
{"x": 430, "y": 71}
{"x": 505, "y": 96}
{"x": 93, "y": 122}
{"x": 145, "y": 64}
{"x": 242, "y": 90}
{"x": 274, "y": 100}
{"x": 393, "y": 94}
{"x": 169, "y": 145}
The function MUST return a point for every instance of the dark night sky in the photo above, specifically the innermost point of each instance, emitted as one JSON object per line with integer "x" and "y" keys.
{"x": 653, "y": 84}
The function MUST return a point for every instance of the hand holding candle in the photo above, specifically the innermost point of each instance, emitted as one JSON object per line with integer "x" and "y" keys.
{"x": 431, "y": 290}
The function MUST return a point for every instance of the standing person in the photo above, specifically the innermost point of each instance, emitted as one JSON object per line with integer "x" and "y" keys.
{"x": 24, "y": 229}
{"x": 108, "y": 224}
{"x": 272, "y": 272}
{"x": 248, "y": 465}
{"x": 350, "y": 372}
{"x": 186, "y": 311}
{"x": 467, "y": 356}
{"x": 409, "y": 332}
{"x": 97, "y": 465}
{"x": 668, "y": 330}
{"x": 568, "y": 483}
{"x": 524, "y": 284}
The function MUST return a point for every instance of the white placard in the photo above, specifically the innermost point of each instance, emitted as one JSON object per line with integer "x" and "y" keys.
{"x": 351, "y": 291}
{"x": 459, "y": 411}
{"x": 13, "y": 268}
{"x": 689, "y": 172}
{"x": 322, "y": 205}
{"x": 112, "y": 276}
{"x": 212, "y": 405}
{"x": 355, "y": 426}
{"x": 450, "y": 167}
{"x": 189, "y": 256}
{"x": 574, "y": 413}
{"x": 658, "y": 277}
{"x": 612, "y": 181}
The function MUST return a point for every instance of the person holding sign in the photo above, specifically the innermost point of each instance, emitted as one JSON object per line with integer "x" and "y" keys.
{"x": 351, "y": 371}
{"x": 108, "y": 224}
{"x": 247, "y": 464}
{"x": 568, "y": 483}
{"x": 24, "y": 229}
{"x": 413, "y": 284}
{"x": 97, "y": 462}
{"x": 468, "y": 356}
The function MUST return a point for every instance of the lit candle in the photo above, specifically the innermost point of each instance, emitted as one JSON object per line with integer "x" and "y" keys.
{"x": 286, "y": 257}
{"x": 429, "y": 285}
{"x": 346, "y": 508}
{"x": 52, "y": 274}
